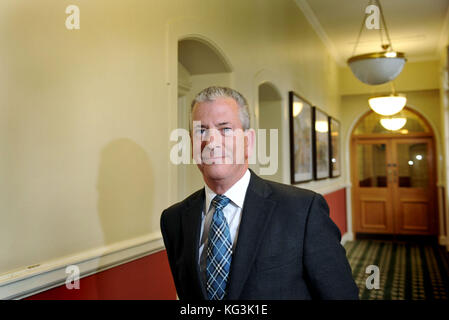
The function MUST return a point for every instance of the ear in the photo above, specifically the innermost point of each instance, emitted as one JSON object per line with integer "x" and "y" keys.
{"x": 195, "y": 148}
{"x": 250, "y": 139}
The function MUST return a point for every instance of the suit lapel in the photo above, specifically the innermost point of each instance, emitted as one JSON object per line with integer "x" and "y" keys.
{"x": 256, "y": 213}
{"x": 192, "y": 222}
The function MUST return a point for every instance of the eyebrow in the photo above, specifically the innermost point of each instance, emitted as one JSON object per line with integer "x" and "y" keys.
{"x": 218, "y": 125}
{"x": 223, "y": 123}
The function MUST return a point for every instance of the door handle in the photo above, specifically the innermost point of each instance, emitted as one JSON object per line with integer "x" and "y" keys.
{"x": 390, "y": 179}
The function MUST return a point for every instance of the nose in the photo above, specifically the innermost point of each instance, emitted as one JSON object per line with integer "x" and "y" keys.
{"x": 212, "y": 138}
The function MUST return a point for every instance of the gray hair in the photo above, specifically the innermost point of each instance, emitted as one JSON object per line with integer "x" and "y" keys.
{"x": 213, "y": 93}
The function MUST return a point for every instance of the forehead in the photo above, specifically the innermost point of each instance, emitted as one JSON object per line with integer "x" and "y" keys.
{"x": 218, "y": 109}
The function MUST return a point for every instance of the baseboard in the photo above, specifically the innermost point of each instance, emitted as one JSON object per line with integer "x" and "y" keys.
{"x": 412, "y": 239}
{"x": 26, "y": 282}
{"x": 348, "y": 236}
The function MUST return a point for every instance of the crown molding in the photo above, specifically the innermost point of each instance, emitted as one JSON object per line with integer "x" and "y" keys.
{"x": 444, "y": 34}
{"x": 316, "y": 25}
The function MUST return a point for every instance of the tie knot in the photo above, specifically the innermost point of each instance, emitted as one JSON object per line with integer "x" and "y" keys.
{"x": 220, "y": 201}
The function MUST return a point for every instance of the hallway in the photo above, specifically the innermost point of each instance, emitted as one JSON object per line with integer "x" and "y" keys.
{"x": 95, "y": 123}
{"x": 407, "y": 270}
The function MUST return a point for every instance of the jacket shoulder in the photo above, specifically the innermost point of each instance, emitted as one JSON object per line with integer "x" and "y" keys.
{"x": 285, "y": 192}
{"x": 179, "y": 207}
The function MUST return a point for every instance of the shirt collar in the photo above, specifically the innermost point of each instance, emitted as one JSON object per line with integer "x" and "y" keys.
{"x": 236, "y": 193}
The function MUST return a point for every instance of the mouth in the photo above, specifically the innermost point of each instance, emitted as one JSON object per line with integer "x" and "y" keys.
{"x": 213, "y": 160}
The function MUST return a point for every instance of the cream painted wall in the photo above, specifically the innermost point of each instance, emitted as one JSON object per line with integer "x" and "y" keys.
{"x": 86, "y": 114}
{"x": 444, "y": 120}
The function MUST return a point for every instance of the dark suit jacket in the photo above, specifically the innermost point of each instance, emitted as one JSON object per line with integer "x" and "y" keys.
{"x": 287, "y": 247}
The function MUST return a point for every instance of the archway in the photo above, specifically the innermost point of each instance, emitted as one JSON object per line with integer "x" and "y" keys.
{"x": 393, "y": 175}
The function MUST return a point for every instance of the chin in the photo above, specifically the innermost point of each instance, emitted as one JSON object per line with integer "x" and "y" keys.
{"x": 217, "y": 171}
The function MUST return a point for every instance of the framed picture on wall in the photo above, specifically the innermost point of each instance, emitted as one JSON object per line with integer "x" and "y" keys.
{"x": 320, "y": 144}
{"x": 334, "y": 148}
{"x": 301, "y": 157}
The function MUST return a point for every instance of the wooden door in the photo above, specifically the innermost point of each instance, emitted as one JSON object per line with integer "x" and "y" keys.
{"x": 414, "y": 186}
{"x": 372, "y": 191}
{"x": 394, "y": 187}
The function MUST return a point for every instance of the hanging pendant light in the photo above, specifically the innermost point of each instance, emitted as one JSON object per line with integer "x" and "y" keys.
{"x": 393, "y": 124}
{"x": 388, "y": 105}
{"x": 377, "y": 67}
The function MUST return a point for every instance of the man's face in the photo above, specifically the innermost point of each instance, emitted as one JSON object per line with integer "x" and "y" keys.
{"x": 220, "y": 147}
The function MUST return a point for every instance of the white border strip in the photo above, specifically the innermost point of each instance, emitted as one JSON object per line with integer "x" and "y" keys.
{"x": 27, "y": 282}
{"x": 324, "y": 190}
{"x": 348, "y": 236}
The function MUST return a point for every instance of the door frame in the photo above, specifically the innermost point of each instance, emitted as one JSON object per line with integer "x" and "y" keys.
{"x": 349, "y": 167}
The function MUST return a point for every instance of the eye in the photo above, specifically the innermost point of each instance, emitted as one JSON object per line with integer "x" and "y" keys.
{"x": 200, "y": 131}
{"x": 226, "y": 131}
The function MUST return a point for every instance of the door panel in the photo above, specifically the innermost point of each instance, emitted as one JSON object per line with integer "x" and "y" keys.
{"x": 374, "y": 213}
{"x": 414, "y": 215}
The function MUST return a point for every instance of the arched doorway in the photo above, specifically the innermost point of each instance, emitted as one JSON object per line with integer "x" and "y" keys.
{"x": 393, "y": 175}
{"x": 200, "y": 65}
{"x": 270, "y": 117}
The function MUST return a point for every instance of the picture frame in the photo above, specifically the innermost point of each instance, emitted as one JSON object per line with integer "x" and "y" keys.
{"x": 334, "y": 148}
{"x": 301, "y": 133}
{"x": 321, "y": 168}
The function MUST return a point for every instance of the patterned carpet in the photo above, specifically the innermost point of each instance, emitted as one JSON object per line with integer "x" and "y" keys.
{"x": 407, "y": 271}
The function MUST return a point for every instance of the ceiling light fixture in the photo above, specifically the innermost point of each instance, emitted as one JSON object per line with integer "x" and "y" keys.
{"x": 393, "y": 124}
{"x": 388, "y": 105}
{"x": 377, "y": 67}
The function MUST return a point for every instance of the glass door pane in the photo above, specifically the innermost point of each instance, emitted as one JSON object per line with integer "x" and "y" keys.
{"x": 372, "y": 168}
{"x": 413, "y": 169}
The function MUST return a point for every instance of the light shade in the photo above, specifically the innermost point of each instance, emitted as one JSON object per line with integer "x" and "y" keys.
{"x": 377, "y": 67}
{"x": 393, "y": 124}
{"x": 387, "y": 105}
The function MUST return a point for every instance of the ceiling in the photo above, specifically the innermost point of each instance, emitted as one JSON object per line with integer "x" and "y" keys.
{"x": 416, "y": 27}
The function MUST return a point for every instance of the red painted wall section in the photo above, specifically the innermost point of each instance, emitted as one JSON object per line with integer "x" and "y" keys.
{"x": 337, "y": 207}
{"x": 147, "y": 278}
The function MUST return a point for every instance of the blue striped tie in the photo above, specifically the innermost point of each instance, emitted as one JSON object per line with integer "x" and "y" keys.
{"x": 219, "y": 251}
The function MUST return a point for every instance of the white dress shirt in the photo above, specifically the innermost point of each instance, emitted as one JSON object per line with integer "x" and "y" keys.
{"x": 232, "y": 213}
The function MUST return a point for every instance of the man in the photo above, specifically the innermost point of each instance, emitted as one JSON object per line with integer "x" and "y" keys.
{"x": 243, "y": 237}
